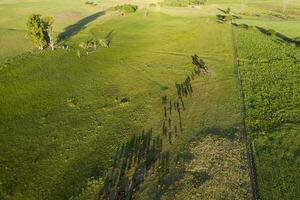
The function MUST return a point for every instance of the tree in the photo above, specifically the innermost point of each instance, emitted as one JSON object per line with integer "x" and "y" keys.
{"x": 40, "y": 30}
{"x": 48, "y": 28}
{"x": 36, "y": 30}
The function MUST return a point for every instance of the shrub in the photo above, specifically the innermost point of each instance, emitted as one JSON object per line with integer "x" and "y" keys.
{"x": 152, "y": 5}
{"x": 90, "y": 3}
{"x": 126, "y": 8}
{"x": 196, "y": 2}
{"x": 271, "y": 32}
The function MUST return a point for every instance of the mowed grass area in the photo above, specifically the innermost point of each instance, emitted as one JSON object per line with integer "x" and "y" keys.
{"x": 62, "y": 117}
{"x": 270, "y": 76}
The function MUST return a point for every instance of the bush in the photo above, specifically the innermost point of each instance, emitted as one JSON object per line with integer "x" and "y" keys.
{"x": 126, "y": 8}
{"x": 196, "y": 2}
{"x": 271, "y": 32}
{"x": 90, "y": 3}
{"x": 152, "y": 5}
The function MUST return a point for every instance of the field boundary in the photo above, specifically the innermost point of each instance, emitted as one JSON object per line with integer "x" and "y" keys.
{"x": 280, "y": 36}
{"x": 251, "y": 162}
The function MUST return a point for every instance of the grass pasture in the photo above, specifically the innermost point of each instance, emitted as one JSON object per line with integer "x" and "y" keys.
{"x": 63, "y": 116}
{"x": 13, "y": 42}
{"x": 14, "y": 13}
{"x": 77, "y": 127}
{"x": 13, "y": 16}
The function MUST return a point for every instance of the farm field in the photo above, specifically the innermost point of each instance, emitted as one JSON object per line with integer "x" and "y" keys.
{"x": 271, "y": 85}
{"x": 228, "y": 121}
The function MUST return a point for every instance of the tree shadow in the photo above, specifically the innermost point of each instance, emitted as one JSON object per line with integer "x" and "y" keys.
{"x": 78, "y": 26}
{"x": 183, "y": 156}
{"x": 109, "y": 36}
{"x": 223, "y": 11}
{"x": 285, "y": 38}
{"x": 280, "y": 37}
{"x": 199, "y": 178}
{"x": 229, "y": 133}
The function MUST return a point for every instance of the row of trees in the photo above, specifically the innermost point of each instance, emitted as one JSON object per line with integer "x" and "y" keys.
{"x": 40, "y": 31}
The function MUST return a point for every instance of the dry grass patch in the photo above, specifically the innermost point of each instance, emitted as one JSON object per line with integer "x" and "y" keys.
{"x": 217, "y": 171}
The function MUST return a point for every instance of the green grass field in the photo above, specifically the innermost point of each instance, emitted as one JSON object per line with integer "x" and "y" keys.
{"x": 62, "y": 117}
{"x": 13, "y": 42}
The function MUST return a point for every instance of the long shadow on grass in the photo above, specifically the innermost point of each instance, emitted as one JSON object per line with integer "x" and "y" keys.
{"x": 269, "y": 32}
{"x": 183, "y": 157}
{"x": 78, "y": 26}
{"x": 109, "y": 36}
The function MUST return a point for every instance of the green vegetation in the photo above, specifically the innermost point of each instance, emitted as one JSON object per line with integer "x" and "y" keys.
{"x": 72, "y": 120}
{"x": 75, "y": 129}
{"x": 93, "y": 44}
{"x": 13, "y": 42}
{"x": 288, "y": 27}
{"x": 126, "y": 8}
{"x": 40, "y": 31}
{"x": 270, "y": 83}
{"x": 226, "y": 16}
{"x": 183, "y": 3}
{"x": 14, "y": 15}
{"x": 91, "y": 3}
